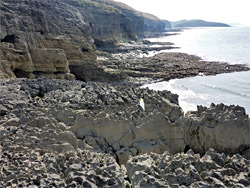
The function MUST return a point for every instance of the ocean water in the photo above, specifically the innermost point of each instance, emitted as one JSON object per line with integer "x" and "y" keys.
{"x": 230, "y": 45}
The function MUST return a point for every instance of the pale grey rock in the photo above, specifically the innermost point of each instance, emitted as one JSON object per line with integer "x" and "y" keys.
{"x": 147, "y": 146}
{"x": 69, "y": 137}
{"x": 123, "y": 155}
{"x": 217, "y": 127}
{"x": 61, "y": 148}
{"x": 181, "y": 170}
{"x": 49, "y": 130}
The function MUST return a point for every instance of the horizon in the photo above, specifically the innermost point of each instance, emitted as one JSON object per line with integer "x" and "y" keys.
{"x": 233, "y": 12}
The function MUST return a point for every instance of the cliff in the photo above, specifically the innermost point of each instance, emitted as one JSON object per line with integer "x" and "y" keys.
{"x": 198, "y": 23}
{"x": 58, "y": 38}
{"x": 168, "y": 24}
{"x": 108, "y": 23}
{"x": 45, "y": 38}
{"x": 113, "y": 21}
{"x": 152, "y": 23}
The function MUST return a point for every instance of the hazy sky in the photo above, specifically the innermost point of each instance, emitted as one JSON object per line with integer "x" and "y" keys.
{"x": 228, "y": 11}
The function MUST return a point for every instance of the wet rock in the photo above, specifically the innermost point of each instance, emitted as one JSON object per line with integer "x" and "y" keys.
{"x": 162, "y": 65}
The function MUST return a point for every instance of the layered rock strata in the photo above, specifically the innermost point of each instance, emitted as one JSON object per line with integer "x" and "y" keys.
{"x": 152, "y": 23}
{"x": 109, "y": 22}
{"x": 57, "y": 38}
{"x": 112, "y": 21}
{"x": 48, "y": 38}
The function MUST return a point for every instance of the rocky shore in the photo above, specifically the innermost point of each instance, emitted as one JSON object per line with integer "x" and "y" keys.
{"x": 57, "y": 133}
{"x": 70, "y": 112}
{"x": 133, "y": 63}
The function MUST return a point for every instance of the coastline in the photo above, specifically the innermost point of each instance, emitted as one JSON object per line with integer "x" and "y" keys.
{"x": 202, "y": 90}
{"x": 162, "y": 66}
{"x": 200, "y": 82}
{"x": 73, "y": 114}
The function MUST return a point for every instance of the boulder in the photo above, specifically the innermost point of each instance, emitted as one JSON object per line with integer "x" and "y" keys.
{"x": 224, "y": 128}
{"x": 123, "y": 155}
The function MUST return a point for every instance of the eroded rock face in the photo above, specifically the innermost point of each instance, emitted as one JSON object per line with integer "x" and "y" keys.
{"x": 94, "y": 111}
{"x": 45, "y": 38}
{"x": 71, "y": 169}
{"x": 56, "y": 38}
{"x": 226, "y": 128}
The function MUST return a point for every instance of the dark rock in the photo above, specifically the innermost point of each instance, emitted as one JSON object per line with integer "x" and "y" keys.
{"x": 161, "y": 66}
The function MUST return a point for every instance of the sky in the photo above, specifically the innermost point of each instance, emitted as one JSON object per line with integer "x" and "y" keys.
{"x": 227, "y": 11}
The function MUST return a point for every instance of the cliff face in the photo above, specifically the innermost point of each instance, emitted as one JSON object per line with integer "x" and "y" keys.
{"x": 47, "y": 38}
{"x": 55, "y": 38}
{"x": 152, "y": 23}
{"x": 140, "y": 21}
{"x": 167, "y": 24}
{"x": 112, "y": 21}
{"x": 108, "y": 24}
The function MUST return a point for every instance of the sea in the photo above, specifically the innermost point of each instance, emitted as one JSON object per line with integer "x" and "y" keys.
{"x": 228, "y": 44}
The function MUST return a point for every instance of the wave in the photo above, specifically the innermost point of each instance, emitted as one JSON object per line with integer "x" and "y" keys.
{"x": 227, "y": 90}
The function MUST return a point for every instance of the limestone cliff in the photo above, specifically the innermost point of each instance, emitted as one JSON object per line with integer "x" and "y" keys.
{"x": 47, "y": 38}
{"x": 152, "y": 23}
{"x": 54, "y": 38}
{"x": 108, "y": 24}
{"x": 112, "y": 21}
{"x": 168, "y": 24}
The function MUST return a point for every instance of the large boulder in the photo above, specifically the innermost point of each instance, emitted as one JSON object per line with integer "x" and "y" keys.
{"x": 224, "y": 128}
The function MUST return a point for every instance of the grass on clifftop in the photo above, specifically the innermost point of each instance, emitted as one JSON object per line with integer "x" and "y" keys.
{"x": 97, "y": 7}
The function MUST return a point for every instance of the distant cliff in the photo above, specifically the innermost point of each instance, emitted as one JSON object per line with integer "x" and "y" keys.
{"x": 58, "y": 38}
{"x": 152, "y": 23}
{"x": 112, "y": 21}
{"x": 109, "y": 22}
{"x": 198, "y": 23}
{"x": 167, "y": 23}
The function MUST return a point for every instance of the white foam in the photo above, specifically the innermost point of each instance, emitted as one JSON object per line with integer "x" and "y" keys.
{"x": 186, "y": 95}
